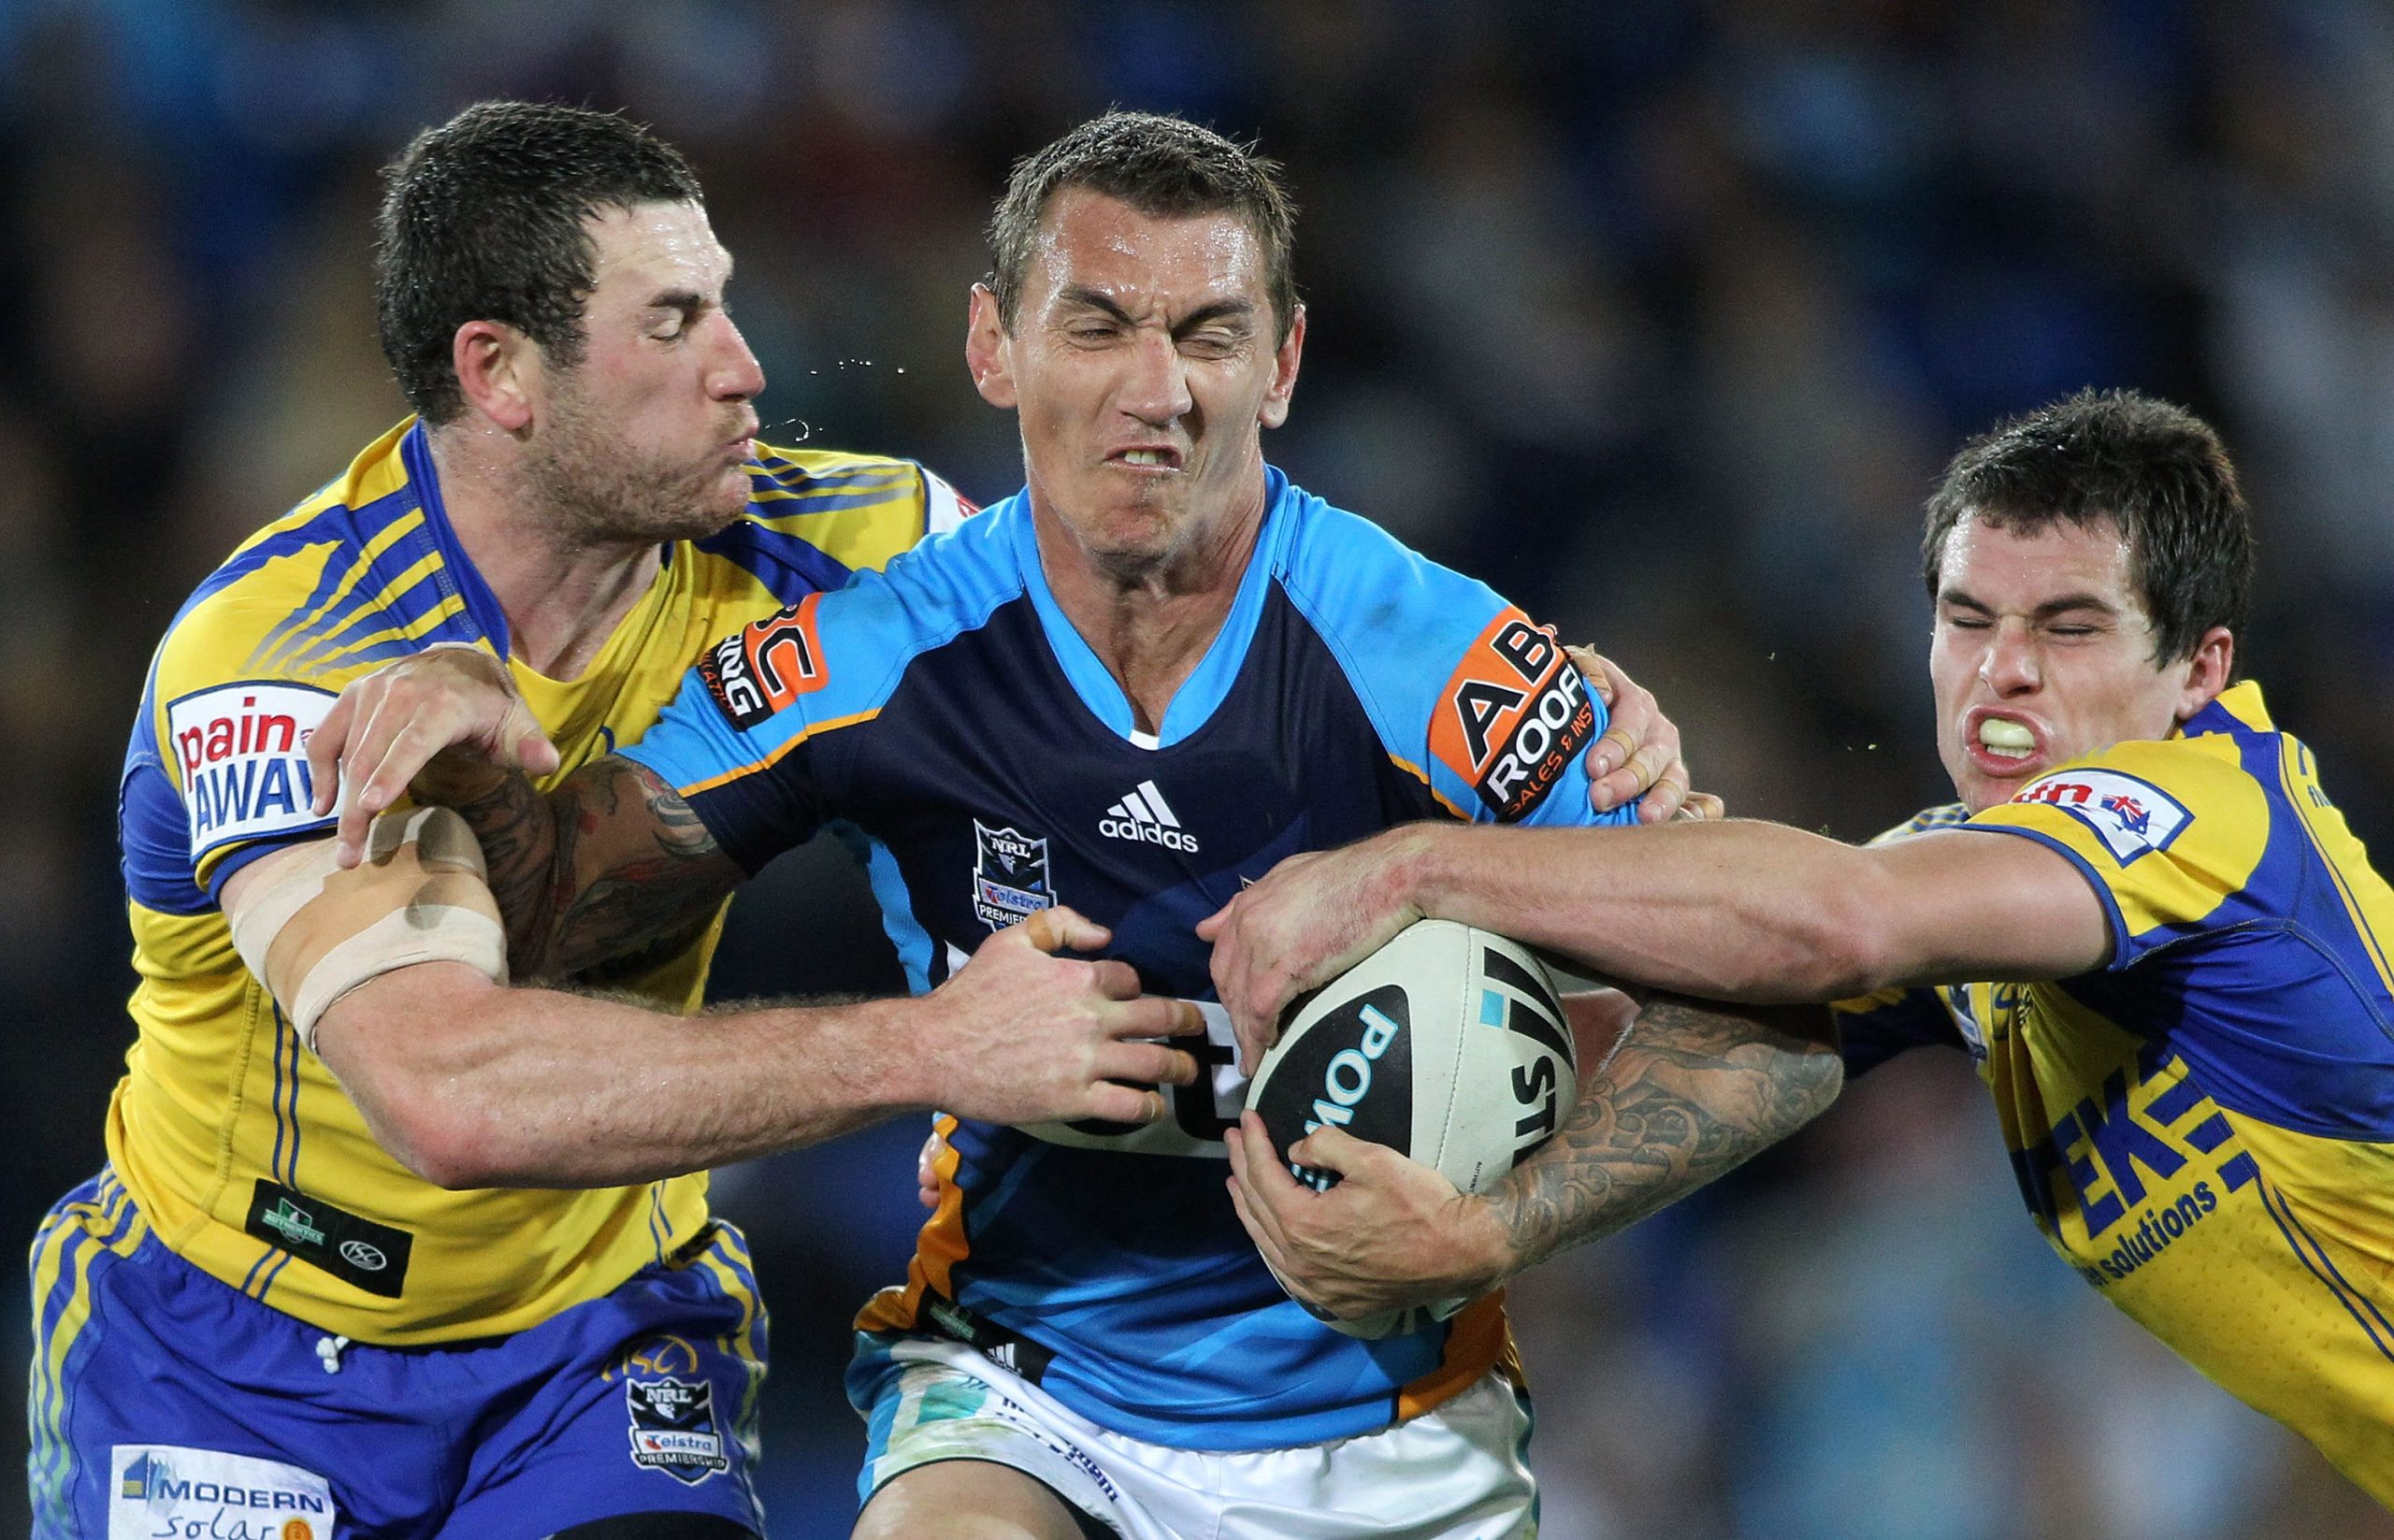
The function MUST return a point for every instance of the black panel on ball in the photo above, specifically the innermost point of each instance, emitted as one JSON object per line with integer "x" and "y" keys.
{"x": 1352, "y": 1067}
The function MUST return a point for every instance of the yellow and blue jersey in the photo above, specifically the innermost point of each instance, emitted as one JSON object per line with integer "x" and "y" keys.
{"x": 948, "y": 713}
{"x": 2204, "y": 1127}
{"x": 237, "y": 1147}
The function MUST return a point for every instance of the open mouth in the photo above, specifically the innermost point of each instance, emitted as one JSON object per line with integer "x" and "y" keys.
{"x": 2002, "y": 745}
{"x": 1147, "y": 457}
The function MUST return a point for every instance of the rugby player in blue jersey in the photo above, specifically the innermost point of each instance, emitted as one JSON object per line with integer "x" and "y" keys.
{"x": 367, "y": 1259}
{"x": 1143, "y": 681}
{"x": 2169, "y": 963}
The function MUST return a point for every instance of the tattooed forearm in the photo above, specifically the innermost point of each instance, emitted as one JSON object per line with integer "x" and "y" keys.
{"x": 609, "y": 867}
{"x": 1693, "y": 1092}
{"x": 518, "y": 837}
{"x": 637, "y": 872}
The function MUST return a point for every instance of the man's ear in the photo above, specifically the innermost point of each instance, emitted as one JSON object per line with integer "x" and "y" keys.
{"x": 2208, "y": 671}
{"x": 989, "y": 351}
{"x": 499, "y": 372}
{"x": 1284, "y": 372}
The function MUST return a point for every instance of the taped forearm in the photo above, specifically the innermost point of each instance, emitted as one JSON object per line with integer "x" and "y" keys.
{"x": 313, "y": 932}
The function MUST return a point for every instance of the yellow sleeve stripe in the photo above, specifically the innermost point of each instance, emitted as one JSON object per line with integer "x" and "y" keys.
{"x": 422, "y": 626}
{"x": 2305, "y": 814}
{"x": 769, "y": 761}
{"x": 292, "y": 637}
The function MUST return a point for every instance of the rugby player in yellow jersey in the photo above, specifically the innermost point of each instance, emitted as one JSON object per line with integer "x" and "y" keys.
{"x": 2171, "y": 966}
{"x": 383, "y": 1248}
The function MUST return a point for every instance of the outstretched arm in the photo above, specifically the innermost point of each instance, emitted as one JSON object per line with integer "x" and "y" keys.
{"x": 1726, "y": 910}
{"x": 471, "y": 1084}
{"x": 1692, "y": 1092}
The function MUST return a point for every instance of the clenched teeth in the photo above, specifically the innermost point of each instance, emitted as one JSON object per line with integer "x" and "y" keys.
{"x": 2013, "y": 738}
{"x": 1146, "y": 458}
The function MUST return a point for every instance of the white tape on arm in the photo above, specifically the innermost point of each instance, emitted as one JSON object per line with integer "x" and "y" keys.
{"x": 315, "y": 932}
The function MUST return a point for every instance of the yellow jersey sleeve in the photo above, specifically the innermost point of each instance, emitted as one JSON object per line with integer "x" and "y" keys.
{"x": 2168, "y": 832}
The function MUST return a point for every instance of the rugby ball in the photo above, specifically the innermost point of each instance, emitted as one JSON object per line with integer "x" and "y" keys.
{"x": 1447, "y": 1045}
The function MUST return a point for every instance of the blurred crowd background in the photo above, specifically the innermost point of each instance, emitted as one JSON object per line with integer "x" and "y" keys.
{"x": 1660, "y": 315}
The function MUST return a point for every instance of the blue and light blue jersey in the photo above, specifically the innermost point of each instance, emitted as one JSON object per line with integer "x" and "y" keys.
{"x": 947, "y": 715}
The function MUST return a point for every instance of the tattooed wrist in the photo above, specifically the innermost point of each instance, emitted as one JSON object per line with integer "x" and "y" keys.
{"x": 1695, "y": 1092}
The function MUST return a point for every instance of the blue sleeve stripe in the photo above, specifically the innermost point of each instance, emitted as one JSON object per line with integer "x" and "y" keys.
{"x": 2285, "y": 792}
{"x": 797, "y": 567}
{"x": 2122, "y": 943}
{"x": 777, "y": 469}
{"x": 481, "y": 603}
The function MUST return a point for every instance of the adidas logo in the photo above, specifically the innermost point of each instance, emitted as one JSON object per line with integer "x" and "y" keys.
{"x": 1146, "y": 817}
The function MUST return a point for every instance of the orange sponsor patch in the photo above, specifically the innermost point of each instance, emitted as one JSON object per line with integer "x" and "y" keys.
{"x": 766, "y": 666}
{"x": 1512, "y": 716}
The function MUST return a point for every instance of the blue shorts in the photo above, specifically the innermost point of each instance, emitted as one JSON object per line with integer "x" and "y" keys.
{"x": 166, "y": 1402}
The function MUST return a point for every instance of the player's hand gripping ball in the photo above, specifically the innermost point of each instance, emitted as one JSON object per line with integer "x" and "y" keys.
{"x": 1447, "y": 1045}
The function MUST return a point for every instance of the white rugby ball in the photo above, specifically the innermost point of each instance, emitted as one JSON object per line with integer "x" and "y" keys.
{"x": 1447, "y": 1045}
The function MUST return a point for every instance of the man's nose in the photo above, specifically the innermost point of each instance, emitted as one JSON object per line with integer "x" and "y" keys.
{"x": 1156, "y": 391}
{"x": 2009, "y": 666}
{"x": 734, "y": 374}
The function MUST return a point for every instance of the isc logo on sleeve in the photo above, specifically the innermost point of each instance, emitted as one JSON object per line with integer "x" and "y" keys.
{"x": 2132, "y": 817}
{"x": 1512, "y": 716}
{"x": 765, "y": 667}
{"x": 241, "y": 752}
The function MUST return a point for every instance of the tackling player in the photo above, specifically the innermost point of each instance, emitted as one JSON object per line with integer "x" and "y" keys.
{"x": 1133, "y": 686}
{"x": 2169, "y": 965}
{"x": 370, "y": 1255}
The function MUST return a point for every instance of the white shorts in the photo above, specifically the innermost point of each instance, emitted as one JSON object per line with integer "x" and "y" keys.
{"x": 1457, "y": 1473}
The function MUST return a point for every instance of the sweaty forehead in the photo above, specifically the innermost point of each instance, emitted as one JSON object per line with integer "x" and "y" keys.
{"x": 2008, "y": 565}
{"x": 1088, "y": 240}
{"x": 658, "y": 243}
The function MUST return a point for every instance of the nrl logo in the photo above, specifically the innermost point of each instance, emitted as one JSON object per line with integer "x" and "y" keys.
{"x": 1010, "y": 878}
{"x": 673, "y": 1428}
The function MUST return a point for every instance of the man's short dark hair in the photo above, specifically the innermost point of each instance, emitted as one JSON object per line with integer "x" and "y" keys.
{"x": 2156, "y": 472}
{"x": 1165, "y": 168}
{"x": 483, "y": 221}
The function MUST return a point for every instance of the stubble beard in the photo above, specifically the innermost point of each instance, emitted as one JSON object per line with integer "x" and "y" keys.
{"x": 601, "y": 492}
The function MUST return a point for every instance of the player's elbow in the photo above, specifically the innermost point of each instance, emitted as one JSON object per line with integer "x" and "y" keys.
{"x": 1839, "y": 944}
{"x": 447, "y": 1151}
{"x": 402, "y": 1046}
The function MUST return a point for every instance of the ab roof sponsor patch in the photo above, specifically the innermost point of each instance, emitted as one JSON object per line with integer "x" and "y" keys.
{"x": 2131, "y": 816}
{"x": 1512, "y": 716}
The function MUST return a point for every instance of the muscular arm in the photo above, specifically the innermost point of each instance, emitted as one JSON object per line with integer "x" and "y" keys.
{"x": 608, "y": 865}
{"x": 471, "y": 1084}
{"x": 1762, "y": 912}
{"x": 1693, "y": 1091}
{"x": 608, "y": 862}
{"x": 1724, "y": 911}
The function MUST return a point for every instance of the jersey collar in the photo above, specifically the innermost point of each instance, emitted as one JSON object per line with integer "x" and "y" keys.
{"x": 2238, "y": 707}
{"x": 455, "y": 572}
{"x": 1206, "y": 688}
